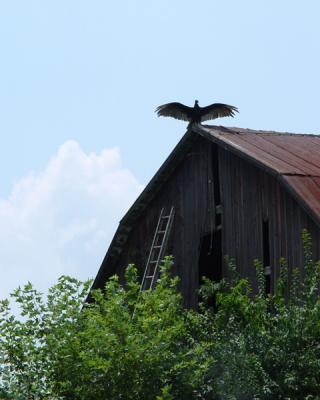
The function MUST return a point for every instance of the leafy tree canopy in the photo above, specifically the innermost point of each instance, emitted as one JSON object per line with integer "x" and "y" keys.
{"x": 129, "y": 344}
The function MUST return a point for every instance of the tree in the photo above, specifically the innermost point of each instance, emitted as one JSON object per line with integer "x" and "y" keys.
{"x": 27, "y": 355}
{"x": 129, "y": 344}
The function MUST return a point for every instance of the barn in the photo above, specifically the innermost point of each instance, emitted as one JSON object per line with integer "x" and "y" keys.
{"x": 238, "y": 192}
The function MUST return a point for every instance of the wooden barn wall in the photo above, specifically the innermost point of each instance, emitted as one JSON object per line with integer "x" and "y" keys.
{"x": 248, "y": 195}
{"x": 190, "y": 191}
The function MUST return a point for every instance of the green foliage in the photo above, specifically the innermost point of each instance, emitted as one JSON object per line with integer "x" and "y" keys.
{"x": 26, "y": 346}
{"x": 127, "y": 344}
{"x": 267, "y": 347}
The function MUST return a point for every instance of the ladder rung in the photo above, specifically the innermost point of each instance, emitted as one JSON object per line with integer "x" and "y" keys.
{"x": 149, "y": 276}
{"x": 153, "y": 261}
{"x": 163, "y": 231}
{"x": 157, "y": 247}
{"x": 165, "y": 216}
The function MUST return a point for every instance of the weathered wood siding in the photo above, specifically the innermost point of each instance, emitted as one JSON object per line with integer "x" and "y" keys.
{"x": 248, "y": 196}
{"x": 190, "y": 191}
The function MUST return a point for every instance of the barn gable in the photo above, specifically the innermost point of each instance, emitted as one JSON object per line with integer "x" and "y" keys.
{"x": 284, "y": 162}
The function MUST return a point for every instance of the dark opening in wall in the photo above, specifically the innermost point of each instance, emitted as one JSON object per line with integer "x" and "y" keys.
{"x": 216, "y": 182}
{"x": 266, "y": 254}
{"x": 210, "y": 258}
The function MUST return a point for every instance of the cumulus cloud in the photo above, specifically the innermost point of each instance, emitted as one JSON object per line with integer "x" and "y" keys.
{"x": 62, "y": 219}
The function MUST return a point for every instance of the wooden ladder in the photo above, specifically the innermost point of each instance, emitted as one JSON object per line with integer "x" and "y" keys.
{"x": 157, "y": 250}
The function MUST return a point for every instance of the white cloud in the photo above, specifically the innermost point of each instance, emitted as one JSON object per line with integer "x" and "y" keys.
{"x": 61, "y": 220}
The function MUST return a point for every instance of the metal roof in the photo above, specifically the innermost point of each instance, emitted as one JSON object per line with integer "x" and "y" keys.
{"x": 293, "y": 157}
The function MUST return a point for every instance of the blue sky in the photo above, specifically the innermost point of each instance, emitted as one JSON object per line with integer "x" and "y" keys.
{"x": 79, "y": 82}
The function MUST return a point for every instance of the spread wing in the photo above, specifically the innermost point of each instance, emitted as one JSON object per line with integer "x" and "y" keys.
{"x": 175, "y": 110}
{"x": 217, "y": 110}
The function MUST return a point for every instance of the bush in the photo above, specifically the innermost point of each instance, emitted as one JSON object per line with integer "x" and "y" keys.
{"x": 129, "y": 344}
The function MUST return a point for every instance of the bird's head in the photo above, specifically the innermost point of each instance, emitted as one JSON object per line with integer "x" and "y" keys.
{"x": 196, "y": 102}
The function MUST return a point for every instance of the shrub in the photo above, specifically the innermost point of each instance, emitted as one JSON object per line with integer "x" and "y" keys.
{"x": 129, "y": 344}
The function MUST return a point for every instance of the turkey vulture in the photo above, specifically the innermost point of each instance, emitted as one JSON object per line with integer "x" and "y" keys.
{"x": 196, "y": 114}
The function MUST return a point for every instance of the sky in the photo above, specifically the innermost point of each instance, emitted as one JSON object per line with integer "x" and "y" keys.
{"x": 79, "y": 82}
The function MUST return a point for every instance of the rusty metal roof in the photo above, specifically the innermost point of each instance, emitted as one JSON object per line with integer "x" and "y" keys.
{"x": 294, "y": 158}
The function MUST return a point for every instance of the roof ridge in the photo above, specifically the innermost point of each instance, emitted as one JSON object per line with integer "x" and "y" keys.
{"x": 238, "y": 130}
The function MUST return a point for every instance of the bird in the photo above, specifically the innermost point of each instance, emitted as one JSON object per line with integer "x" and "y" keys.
{"x": 195, "y": 114}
